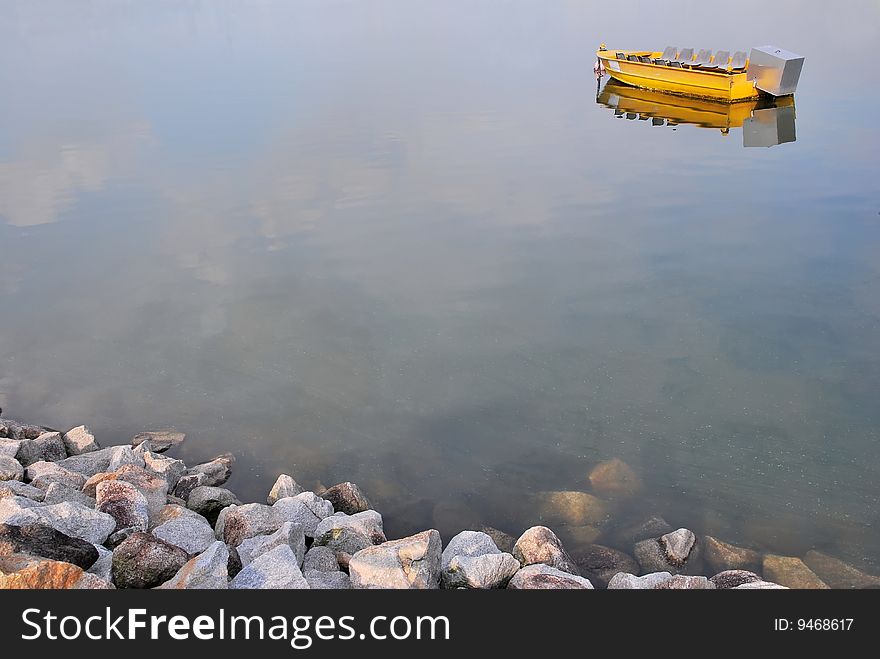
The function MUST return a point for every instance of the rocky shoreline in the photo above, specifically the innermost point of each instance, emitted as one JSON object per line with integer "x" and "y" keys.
{"x": 76, "y": 515}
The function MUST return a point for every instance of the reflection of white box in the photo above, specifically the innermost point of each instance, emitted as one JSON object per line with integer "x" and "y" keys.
{"x": 774, "y": 70}
{"x": 769, "y": 127}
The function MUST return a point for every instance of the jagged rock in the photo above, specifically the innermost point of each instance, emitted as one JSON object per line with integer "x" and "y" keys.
{"x": 305, "y": 509}
{"x": 626, "y": 581}
{"x": 289, "y": 534}
{"x": 16, "y": 430}
{"x": 174, "y": 511}
{"x": 28, "y": 573}
{"x": 409, "y": 563}
{"x": 152, "y": 487}
{"x": 600, "y": 563}
{"x": 119, "y": 536}
{"x": 103, "y": 567}
{"x": 49, "y": 447}
{"x": 284, "y": 487}
{"x": 192, "y": 534}
{"x": 216, "y": 472}
{"x": 838, "y": 574}
{"x": 242, "y": 522}
{"x": 652, "y": 527}
{"x": 103, "y": 460}
{"x": 571, "y": 508}
{"x": 79, "y": 440}
{"x": 121, "y": 456}
{"x": 540, "y": 545}
{"x": 472, "y": 560}
{"x": 42, "y": 473}
{"x": 160, "y": 441}
{"x": 58, "y": 493}
{"x": 10, "y": 469}
{"x": 678, "y": 552}
{"x": 320, "y": 559}
{"x": 686, "y": 582}
{"x": 187, "y": 483}
{"x": 17, "y": 488}
{"x": 319, "y": 580}
{"x": 9, "y": 447}
{"x": 74, "y": 519}
{"x": 350, "y": 533}
{"x": 504, "y": 541}
{"x": 206, "y": 571}
{"x": 145, "y": 561}
{"x": 615, "y": 477}
{"x": 169, "y": 469}
{"x": 733, "y": 578}
{"x": 177, "y": 501}
{"x": 275, "y": 569}
{"x": 91, "y": 485}
{"x": 792, "y": 572}
{"x": 234, "y": 565}
{"x": 123, "y": 502}
{"x": 208, "y": 501}
{"x": 544, "y": 577}
{"x": 721, "y": 556}
{"x": 346, "y": 498}
{"x": 46, "y": 542}
{"x": 760, "y": 585}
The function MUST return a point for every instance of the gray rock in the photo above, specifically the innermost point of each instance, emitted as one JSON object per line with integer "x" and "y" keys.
{"x": 123, "y": 502}
{"x": 350, "y": 533}
{"x": 504, "y": 541}
{"x": 145, "y": 561}
{"x": 103, "y": 567}
{"x": 678, "y": 552}
{"x": 838, "y": 574}
{"x": 209, "y": 501}
{"x": 685, "y": 582}
{"x": 89, "y": 464}
{"x": 42, "y": 473}
{"x": 652, "y": 527}
{"x": 734, "y": 578}
{"x": 58, "y": 493}
{"x": 540, "y": 576}
{"x": 187, "y": 483}
{"x": 600, "y": 563}
{"x": 70, "y": 518}
{"x": 760, "y": 585}
{"x": 347, "y": 498}
{"x": 284, "y": 487}
{"x": 17, "y": 488}
{"x": 9, "y": 447}
{"x": 242, "y": 522}
{"x": 170, "y": 469}
{"x": 216, "y": 472}
{"x": 482, "y": 572}
{"x": 120, "y": 456}
{"x": 160, "y": 441}
{"x": 10, "y": 469}
{"x": 320, "y": 580}
{"x": 275, "y": 569}
{"x": 289, "y": 534}
{"x": 468, "y": 543}
{"x": 46, "y": 542}
{"x": 626, "y": 581}
{"x": 16, "y": 430}
{"x": 152, "y": 487}
{"x": 305, "y": 509}
{"x": 540, "y": 545}
{"x": 174, "y": 511}
{"x": 409, "y": 563}
{"x": 721, "y": 556}
{"x": 320, "y": 559}
{"x": 208, "y": 570}
{"x": 49, "y": 447}
{"x": 79, "y": 440}
{"x": 192, "y": 534}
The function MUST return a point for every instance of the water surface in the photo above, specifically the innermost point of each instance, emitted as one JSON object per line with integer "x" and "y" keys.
{"x": 401, "y": 243}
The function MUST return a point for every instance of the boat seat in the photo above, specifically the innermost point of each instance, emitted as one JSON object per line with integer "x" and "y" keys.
{"x": 720, "y": 61}
{"x": 686, "y": 55}
{"x": 702, "y": 59}
{"x": 675, "y": 65}
{"x": 657, "y": 121}
{"x": 644, "y": 59}
{"x": 738, "y": 63}
{"x": 620, "y": 55}
{"x": 632, "y": 58}
{"x": 668, "y": 53}
{"x": 661, "y": 62}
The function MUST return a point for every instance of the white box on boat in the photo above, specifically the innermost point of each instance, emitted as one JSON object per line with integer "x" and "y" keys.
{"x": 774, "y": 70}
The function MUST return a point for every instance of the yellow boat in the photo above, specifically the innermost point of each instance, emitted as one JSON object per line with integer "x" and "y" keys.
{"x": 718, "y": 76}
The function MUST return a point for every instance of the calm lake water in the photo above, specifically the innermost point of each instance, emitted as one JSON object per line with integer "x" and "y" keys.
{"x": 401, "y": 243}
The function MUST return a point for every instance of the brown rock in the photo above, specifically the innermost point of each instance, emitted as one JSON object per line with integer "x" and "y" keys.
{"x": 838, "y": 574}
{"x": 792, "y": 572}
{"x": 160, "y": 441}
{"x": 504, "y": 541}
{"x": 572, "y": 508}
{"x": 599, "y": 563}
{"x": 723, "y": 556}
{"x": 346, "y": 498}
{"x": 28, "y": 573}
{"x": 540, "y": 545}
{"x": 615, "y": 477}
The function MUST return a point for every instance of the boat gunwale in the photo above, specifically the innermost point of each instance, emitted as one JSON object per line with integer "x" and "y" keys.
{"x": 725, "y": 74}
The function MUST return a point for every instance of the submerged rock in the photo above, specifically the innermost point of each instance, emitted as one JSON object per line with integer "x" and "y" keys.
{"x": 284, "y": 487}
{"x": 760, "y": 585}
{"x": 145, "y": 561}
{"x": 615, "y": 477}
{"x": 346, "y": 498}
{"x": 79, "y": 440}
{"x": 275, "y": 569}
{"x": 46, "y": 542}
{"x": 409, "y": 563}
{"x": 208, "y": 570}
{"x": 838, "y": 574}
{"x": 545, "y": 577}
{"x": 722, "y": 556}
{"x": 504, "y": 541}
{"x": 160, "y": 441}
{"x": 651, "y": 527}
{"x": 540, "y": 545}
{"x": 600, "y": 563}
{"x": 791, "y": 572}
{"x": 571, "y": 508}
{"x": 349, "y": 534}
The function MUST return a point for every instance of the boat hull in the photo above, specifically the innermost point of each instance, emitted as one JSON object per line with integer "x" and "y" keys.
{"x": 727, "y": 87}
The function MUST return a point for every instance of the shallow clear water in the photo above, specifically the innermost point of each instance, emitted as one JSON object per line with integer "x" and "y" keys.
{"x": 401, "y": 243}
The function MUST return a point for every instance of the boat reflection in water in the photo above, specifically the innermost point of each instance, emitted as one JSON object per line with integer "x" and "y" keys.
{"x": 767, "y": 121}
